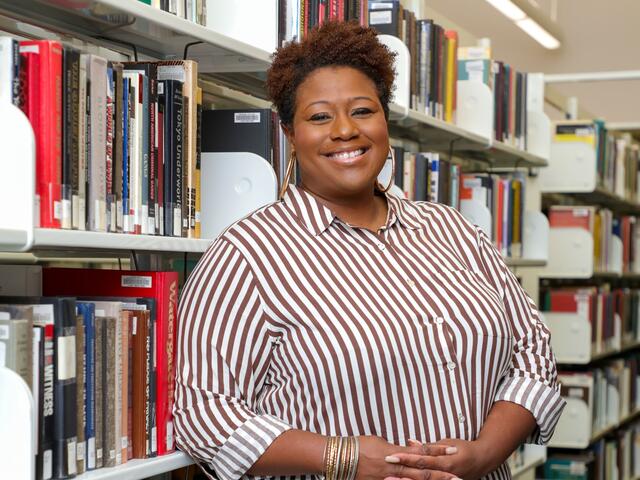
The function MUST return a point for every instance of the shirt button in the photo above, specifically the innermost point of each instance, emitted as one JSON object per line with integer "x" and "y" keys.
{"x": 451, "y": 366}
{"x": 461, "y": 418}
{"x": 411, "y": 283}
{"x": 381, "y": 246}
{"x": 439, "y": 320}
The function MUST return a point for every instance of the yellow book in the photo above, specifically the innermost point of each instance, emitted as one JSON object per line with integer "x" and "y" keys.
{"x": 597, "y": 234}
{"x": 575, "y": 131}
{"x": 451, "y": 76}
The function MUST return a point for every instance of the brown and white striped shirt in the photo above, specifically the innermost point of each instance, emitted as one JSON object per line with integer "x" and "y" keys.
{"x": 294, "y": 319}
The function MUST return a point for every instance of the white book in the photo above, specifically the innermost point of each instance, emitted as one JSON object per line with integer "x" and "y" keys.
{"x": 135, "y": 155}
{"x": 97, "y": 195}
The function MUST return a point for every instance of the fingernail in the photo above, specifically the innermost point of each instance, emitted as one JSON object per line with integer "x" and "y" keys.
{"x": 391, "y": 459}
{"x": 451, "y": 451}
{"x": 455, "y": 478}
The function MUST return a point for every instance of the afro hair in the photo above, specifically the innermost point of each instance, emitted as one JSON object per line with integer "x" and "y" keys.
{"x": 332, "y": 44}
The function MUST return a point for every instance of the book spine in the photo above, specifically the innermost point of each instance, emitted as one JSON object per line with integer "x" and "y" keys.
{"x": 118, "y": 146}
{"x": 160, "y": 160}
{"x": 65, "y": 428}
{"x": 81, "y": 417}
{"x": 97, "y": 69}
{"x": 177, "y": 158}
{"x": 145, "y": 167}
{"x": 191, "y": 146}
{"x": 47, "y": 425}
{"x": 109, "y": 137}
{"x": 126, "y": 108}
{"x": 140, "y": 387}
{"x": 153, "y": 157}
{"x": 67, "y": 139}
{"x": 78, "y": 207}
{"x": 152, "y": 432}
{"x": 130, "y": 381}
{"x": 117, "y": 400}
{"x": 45, "y": 102}
{"x": 108, "y": 391}
{"x": 125, "y": 385}
{"x": 99, "y": 386}
{"x": 198, "y": 191}
{"x": 89, "y": 376}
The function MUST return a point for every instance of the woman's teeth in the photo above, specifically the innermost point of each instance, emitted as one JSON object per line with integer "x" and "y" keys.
{"x": 347, "y": 155}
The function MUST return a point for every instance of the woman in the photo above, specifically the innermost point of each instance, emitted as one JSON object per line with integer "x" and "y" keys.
{"x": 348, "y": 333}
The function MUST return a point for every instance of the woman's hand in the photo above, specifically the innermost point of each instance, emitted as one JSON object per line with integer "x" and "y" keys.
{"x": 374, "y": 464}
{"x": 470, "y": 461}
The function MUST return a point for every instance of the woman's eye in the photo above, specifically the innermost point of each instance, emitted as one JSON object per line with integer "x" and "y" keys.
{"x": 362, "y": 111}
{"x": 319, "y": 117}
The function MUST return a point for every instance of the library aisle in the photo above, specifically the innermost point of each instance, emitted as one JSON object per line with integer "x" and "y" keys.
{"x": 134, "y": 133}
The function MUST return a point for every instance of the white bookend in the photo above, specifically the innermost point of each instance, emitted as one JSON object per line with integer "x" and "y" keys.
{"x": 535, "y": 242}
{"x": 237, "y": 183}
{"x": 17, "y": 179}
{"x": 570, "y": 337}
{"x": 574, "y": 427}
{"x": 253, "y": 22}
{"x": 539, "y": 134}
{"x": 17, "y": 415}
{"x": 401, "y": 94}
{"x": 475, "y": 108}
{"x": 572, "y": 168}
{"x": 478, "y": 214}
{"x": 570, "y": 254}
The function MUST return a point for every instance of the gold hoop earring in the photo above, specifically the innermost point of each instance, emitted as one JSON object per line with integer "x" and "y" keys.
{"x": 393, "y": 172}
{"x": 287, "y": 176}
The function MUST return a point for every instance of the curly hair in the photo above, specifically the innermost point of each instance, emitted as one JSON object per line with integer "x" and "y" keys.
{"x": 331, "y": 44}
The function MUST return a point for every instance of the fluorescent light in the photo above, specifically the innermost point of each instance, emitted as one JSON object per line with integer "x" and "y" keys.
{"x": 509, "y": 9}
{"x": 538, "y": 33}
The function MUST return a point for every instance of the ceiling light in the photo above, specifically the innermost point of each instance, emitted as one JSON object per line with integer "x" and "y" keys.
{"x": 538, "y": 33}
{"x": 509, "y": 9}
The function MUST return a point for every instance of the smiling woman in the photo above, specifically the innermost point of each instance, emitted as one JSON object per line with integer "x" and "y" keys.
{"x": 347, "y": 333}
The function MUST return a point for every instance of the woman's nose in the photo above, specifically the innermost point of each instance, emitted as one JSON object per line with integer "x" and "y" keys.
{"x": 344, "y": 128}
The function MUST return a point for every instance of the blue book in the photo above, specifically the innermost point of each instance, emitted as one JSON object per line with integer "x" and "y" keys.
{"x": 87, "y": 310}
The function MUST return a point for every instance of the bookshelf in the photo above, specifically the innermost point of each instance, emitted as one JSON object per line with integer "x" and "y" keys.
{"x": 162, "y": 35}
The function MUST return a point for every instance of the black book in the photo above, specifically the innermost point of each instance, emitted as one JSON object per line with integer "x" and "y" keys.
{"x": 71, "y": 125}
{"x": 399, "y": 166}
{"x": 64, "y": 381}
{"x": 421, "y": 177}
{"x": 384, "y": 17}
{"x": 248, "y": 130}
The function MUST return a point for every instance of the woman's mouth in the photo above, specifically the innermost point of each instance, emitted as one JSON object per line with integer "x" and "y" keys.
{"x": 347, "y": 157}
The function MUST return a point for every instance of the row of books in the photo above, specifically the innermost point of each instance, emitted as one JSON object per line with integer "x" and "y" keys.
{"x": 98, "y": 354}
{"x": 515, "y": 93}
{"x": 602, "y": 225}
{"x": 193, "y": 10}
{"x": 426, "y": 176}
{"x": 611, "y": 392}
{"x": 614, "y": 458}
{"x": 297, "y": 17}
{"x": 614, "y": 314}
{"x": 117, "y": 144}
{"x": 433, "y": 51}
{"x": 617, "y": 155}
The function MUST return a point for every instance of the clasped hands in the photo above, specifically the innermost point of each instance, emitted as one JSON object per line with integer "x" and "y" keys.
{"x": 450, "y": 459}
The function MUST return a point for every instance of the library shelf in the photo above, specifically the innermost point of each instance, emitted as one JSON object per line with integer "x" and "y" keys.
{"x": 500, "y": 155}
{"x": 599, "y": 196}
{"x": 139, "y": 469}
{"x": 58, "y": 239}
{"x": 612, "y": 428}
{"x": 524, "y": 262}
{"x": 530, "y": 463}
{"x": 153, "y": 31}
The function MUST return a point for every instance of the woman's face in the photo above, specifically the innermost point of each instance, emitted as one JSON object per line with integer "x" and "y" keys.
{"x": 339, "y": 132}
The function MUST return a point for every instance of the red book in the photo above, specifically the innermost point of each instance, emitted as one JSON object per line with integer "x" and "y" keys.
{"x": 578, "y": 217}
{"x": 161, "y": 286}
{"x": 44, "y": 110}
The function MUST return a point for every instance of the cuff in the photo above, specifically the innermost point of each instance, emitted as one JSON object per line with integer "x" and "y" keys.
{"x": 246, "y": 445}
{"x": 543, "y": 401}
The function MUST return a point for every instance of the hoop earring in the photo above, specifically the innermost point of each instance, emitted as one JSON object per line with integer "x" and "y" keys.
{"x": 287, "y": 176}
{"x": 393, "y": 173}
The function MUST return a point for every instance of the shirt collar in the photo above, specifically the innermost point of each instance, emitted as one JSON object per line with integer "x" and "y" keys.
{"x": 316, "y": 217}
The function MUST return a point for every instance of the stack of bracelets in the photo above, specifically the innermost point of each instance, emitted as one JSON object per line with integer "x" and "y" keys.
{"x": 341, "y": 458}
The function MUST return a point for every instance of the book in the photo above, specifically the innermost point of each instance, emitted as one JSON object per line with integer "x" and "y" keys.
{"x": 9, "y": 70}
{"x": 43, "y": 59}
{"x": 159, "y": 286}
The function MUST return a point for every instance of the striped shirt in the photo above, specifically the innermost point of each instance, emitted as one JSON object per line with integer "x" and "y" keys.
{"x": 295, "y": 319}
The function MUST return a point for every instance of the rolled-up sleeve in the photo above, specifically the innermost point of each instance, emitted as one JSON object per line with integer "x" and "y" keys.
{"x": 224, "y": 348}
{"x": 531, "y": 380}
